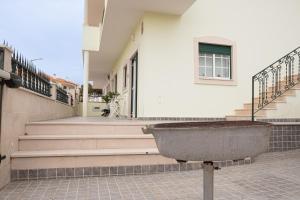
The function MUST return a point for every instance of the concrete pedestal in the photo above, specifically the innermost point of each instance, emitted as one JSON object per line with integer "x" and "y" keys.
{"x": 208, "y": 180}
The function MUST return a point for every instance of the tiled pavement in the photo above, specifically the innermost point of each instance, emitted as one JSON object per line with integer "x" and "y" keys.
{"x": 273, "y": 176}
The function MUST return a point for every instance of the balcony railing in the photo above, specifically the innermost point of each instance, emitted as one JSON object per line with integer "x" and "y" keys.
{"x": 62, "y": 95}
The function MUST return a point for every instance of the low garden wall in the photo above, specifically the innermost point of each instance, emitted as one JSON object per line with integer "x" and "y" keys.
{"x": 19, "y": 107}
{"x": 94, "y": 109}
{"x": 285, "y": 136}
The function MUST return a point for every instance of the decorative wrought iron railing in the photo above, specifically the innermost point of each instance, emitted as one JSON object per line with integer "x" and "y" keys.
{"x": 62, "y": 95}
{"x": 32, "y": 78}
{"x": 275, "y": 80}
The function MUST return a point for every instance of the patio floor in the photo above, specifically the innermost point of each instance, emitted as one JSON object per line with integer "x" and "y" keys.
{"x": 95, "y": 120}
{"x": 272, "y": 176}
{"x": 99, "y": 120}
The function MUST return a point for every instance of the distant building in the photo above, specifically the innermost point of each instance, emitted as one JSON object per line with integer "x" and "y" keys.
{"x": 71, "y": 87}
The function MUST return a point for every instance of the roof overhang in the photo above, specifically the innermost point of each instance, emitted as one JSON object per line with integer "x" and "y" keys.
{"x": 93, "y": 11}
{"x": 120, "y": 19}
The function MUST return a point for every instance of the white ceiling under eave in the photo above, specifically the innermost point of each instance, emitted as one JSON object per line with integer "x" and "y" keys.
{"x": 121, "y": 18}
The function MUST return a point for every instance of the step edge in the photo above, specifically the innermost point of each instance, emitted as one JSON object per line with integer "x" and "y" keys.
{"x": 82, "y": 137}
{"x": 81, "y": 153}
{"x": 89, "y": 123}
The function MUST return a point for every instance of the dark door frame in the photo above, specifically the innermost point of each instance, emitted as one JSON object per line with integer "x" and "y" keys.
{"x": 134, "y": 57}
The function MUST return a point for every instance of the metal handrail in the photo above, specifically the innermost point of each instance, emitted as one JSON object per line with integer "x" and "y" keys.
{"x": 275, "y": 80}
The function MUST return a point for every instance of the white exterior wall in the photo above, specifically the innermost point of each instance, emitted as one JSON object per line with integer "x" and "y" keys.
{"x": 263, "y": 32}
{"x": 133, "y": 45}
{"x": 290, "y": 109}
{"x": 91, "y": 38}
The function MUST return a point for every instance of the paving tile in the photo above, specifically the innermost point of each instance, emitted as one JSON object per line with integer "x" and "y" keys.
{"x": 70, "y": 172}
{"x": 96, "y": 171}
{"x": 273, "y": 176}
{"x": 42, "y": 173}
{"x": 52, "y": 173}
{"x": 60, "y": 172}
{"x": 78, "y": 172}
{"x": 104, "y": 171}
{"x": 23, "y": 174}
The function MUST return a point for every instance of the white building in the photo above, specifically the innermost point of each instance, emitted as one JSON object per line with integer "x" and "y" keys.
{"x": 192, "y": 58}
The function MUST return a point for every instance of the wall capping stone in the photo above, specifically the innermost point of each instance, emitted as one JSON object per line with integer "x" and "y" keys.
{"x": 40, "y": 95}
{"x": 107, "y": 171}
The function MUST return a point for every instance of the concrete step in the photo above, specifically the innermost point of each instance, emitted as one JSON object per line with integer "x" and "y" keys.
{"x": 297, "y": 87}
{"x": 283, "y": 97}
{"x": 241, "y": 117}
{"x": 248, "y": 106}
{"x": 84, "y": 142}
{"x": 280, "y": 99}
{"x": 82, "y": 128}
{"x": 248, "y": 112}
{"x": 237, "y": 118}
{"x": 287, "y": 93}
{"x": 86, "y": 158}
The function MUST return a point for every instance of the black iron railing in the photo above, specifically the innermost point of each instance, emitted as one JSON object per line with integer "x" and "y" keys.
{"x": 275, "y": 80}
{"x": 32, "y": 78}
{"x": 62, "y": 95}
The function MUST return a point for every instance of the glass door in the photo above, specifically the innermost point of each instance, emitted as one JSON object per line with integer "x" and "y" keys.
{"x": 134, "y": 78}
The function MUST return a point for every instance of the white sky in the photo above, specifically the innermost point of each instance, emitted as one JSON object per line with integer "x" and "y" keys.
{"x": 48, "y": 29}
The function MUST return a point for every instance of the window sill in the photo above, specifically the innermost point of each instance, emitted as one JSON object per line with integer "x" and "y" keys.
{"x": 212, "y": 81}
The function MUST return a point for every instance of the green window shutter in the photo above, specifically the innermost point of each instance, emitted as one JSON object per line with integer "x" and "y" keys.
{"x": 216, "y": 49}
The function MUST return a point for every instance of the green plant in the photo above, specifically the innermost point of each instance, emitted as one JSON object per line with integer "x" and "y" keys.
{"x": 110, "y": 96}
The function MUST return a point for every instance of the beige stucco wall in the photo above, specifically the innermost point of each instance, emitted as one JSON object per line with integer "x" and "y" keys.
{"x": 19, "y": 107}
{"x": 263, "y": 32}
{"x": 91, "y": 111}
{"x": 290, "y": 109}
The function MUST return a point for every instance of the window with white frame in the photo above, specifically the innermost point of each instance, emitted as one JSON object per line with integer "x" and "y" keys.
{"x": 214, "y": 61}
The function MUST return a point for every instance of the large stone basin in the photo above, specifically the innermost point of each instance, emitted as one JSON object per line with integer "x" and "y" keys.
{"x": 211, "y": 141}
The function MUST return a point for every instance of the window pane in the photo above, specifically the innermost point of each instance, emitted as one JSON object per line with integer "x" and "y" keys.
{"x": 226, "y": 73}
{"x": 218, "y": 62}
{"x": 202, "y": 61}
{"x": 225, "y": 62}
{"x": 214, "y": 61}
{"x": 219, "y": 72}
{"x": 209, "y": 60}
{"x": 209, "y": 71}
{"x": 202, "y": 71}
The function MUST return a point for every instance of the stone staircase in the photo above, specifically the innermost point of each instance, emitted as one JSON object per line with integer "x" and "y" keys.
{"x": 276, "y": 106}
{"x": 61, "y": 145}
